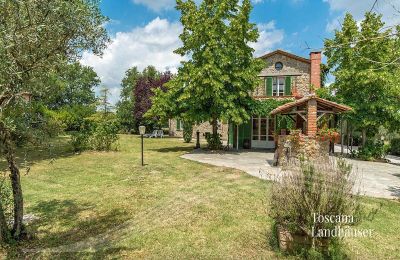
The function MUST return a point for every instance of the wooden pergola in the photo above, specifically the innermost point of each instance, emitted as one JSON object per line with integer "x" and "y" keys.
{"x": 308, "y": 110}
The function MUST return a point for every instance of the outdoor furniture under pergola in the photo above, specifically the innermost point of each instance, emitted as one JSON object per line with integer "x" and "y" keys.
{"x": 307, "y": 111}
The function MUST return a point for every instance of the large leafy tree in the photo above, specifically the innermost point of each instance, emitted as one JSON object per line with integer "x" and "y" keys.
{"x": 150, "y": 81}
{"x": 103, "y": 102}
{"x": 138, "y": 89}
{"x": 72, "y": 98}
{"x": 126, "y": 103}
{"x": 73, "y": 85}
{"x": 217, "y": 79}
{"x": 365, "y": 62}
{"x": 36, "y": 36}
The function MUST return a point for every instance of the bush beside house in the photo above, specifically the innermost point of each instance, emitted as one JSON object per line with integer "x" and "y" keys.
{"x": 187, "y": 132}
{"x": 395, "y": 146}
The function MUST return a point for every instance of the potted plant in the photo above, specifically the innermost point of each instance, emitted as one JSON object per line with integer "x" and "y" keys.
{"x": 329, "y": 134}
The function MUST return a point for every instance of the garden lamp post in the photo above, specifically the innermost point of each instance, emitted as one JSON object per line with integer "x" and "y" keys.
{"x": 142, "y": 131}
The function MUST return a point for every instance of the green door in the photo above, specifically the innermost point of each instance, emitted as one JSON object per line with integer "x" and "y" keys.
{"x": 244, "y": 133}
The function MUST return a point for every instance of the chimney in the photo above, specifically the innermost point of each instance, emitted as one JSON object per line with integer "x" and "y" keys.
{"x": 315, "y": 76}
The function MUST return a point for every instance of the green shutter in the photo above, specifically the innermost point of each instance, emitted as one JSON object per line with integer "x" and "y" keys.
{"x": 268, "y": 86}
{"x": 247, "y": 130}
{"x": 240, "y": 135}
{"x": 244, "y": 132}
{"x": 288, "y": 86}
{"x": 231, "y": 133}
{"x": 178, "y": 124}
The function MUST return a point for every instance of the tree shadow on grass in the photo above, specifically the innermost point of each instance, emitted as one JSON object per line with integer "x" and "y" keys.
{"x": 70, "y": 230}
{"x": 174, "y": 149}
{"x": 395, "y": 190}
{"x": 29, "y": 154}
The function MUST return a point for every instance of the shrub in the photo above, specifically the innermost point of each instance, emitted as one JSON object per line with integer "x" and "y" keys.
{"x": 6, "y": 198}
{"x": 105, "y": 134}
{"x": 395, "y": 146}
{"x": 187, "y": 132}
{"x": 214, "y": 141}
{"x": 305, "y": 188}
{"x": 80, "y": 139}
{"x": 372, "y": 150}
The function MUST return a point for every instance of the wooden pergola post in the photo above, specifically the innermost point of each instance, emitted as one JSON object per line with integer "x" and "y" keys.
{"x": 341, "y": 136}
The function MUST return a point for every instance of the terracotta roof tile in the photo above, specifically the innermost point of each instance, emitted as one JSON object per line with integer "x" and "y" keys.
{"x": 304, "y": 100}
{"x": 290, "y": 55}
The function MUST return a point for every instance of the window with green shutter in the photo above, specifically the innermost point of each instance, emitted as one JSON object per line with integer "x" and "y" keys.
{"x": 268, "y": 86}
{"x": 288, "y": 86}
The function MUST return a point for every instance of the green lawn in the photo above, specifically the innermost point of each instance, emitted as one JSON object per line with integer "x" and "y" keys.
{"x": 105, "y": 205}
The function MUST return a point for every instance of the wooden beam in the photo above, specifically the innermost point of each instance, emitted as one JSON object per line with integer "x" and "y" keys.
{"x": 326, "y": 111}
{"x": 290, "y": 116}
{"x": 305, "y": 119}
{"x": 318, "y": 118}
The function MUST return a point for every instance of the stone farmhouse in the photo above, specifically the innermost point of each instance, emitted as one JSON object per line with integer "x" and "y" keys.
{"x": 285, "y": 76}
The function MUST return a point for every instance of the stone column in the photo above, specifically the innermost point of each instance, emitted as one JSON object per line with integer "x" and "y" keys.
{"x": 312, "y": 118}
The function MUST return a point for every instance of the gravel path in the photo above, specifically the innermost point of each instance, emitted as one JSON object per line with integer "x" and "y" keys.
{"x": 380, "y": 180}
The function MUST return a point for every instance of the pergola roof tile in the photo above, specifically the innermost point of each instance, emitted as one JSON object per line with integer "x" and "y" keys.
{"x": 303, "y": 101}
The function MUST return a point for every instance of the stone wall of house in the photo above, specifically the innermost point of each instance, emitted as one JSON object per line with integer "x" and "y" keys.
{"x": 203, "y": 128}
{"x": 172, "y": 129}
{"x": 299, "y": 69}
{"x": 297, "y": 145}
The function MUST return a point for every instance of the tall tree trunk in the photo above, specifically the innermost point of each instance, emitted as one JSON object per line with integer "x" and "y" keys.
{"x": 364, "y": 136}
{"x": 215, "y": 126}
{"x": 8, "y": 151}
{"x": 4, "y": 232}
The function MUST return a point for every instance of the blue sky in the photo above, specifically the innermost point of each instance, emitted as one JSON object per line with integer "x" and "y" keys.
{"x": 145, "y": 32}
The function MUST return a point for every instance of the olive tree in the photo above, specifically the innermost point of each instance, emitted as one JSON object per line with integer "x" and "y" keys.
{"x": 35, "y": 37}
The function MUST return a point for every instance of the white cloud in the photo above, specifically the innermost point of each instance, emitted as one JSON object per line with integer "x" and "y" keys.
{"x": 360, "y": 7}
{"x": 152, "y": 44}
{"x": 157, "y": 5}
{"x": 160, "y": 5}
{"x": 268, "y": 39}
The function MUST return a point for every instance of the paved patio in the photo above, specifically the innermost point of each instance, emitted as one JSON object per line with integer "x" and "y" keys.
{"x": 381, "y": 180}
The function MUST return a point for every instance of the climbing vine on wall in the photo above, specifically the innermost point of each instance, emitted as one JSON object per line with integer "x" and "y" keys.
{"x": 265, "y": 107}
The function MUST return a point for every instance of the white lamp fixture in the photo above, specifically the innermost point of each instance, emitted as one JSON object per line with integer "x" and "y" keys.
{"x": 142, "y": 130}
